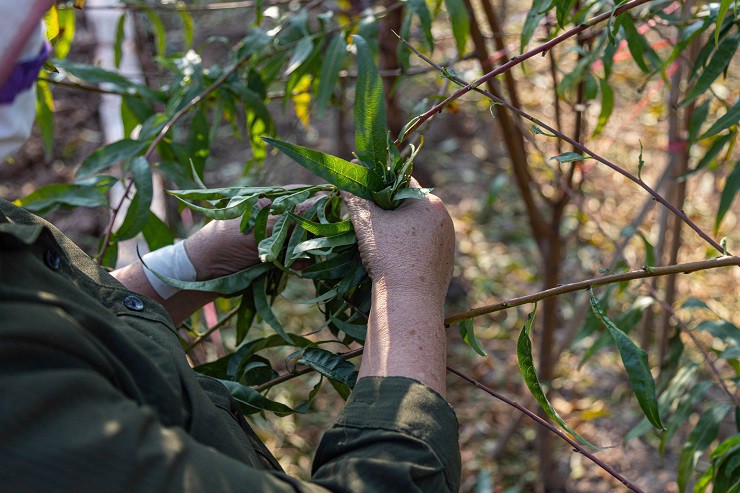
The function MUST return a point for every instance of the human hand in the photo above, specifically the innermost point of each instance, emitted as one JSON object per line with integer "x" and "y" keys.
{"x": 410, "y": 248}
{"x": 220, "y": 248}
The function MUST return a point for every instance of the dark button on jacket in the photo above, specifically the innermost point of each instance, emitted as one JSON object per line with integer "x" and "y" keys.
{"x": 96, "y": 395}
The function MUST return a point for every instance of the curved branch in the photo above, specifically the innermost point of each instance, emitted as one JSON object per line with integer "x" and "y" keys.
{"x": 686, "y": 268}
{"x": 576, "y": 446}
{"x": 680, "y": 213}
{"x": 516, "y": 61}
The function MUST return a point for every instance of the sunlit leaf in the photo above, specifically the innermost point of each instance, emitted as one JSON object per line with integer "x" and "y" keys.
{"x": 330, "y": 67}
{"x": 370, "y": 123}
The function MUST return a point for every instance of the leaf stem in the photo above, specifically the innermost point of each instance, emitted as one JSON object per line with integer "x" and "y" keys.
{"x": 217, "y": 326}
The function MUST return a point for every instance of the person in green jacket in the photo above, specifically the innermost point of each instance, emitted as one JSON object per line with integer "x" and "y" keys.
{"x": 96, "y": 393}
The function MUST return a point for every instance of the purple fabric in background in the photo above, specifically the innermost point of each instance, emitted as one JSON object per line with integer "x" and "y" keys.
{"x": 24, "y": 75}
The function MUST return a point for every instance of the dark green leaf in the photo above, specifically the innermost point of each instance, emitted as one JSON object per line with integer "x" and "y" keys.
{"x": 270, "y": 247}
{"x": 107, "y": 156}
{"x": 236, "y": 207}
{"x": 698, "y": 117}
{"x": 460, "y": 23}
{"x": 330, "y": 67}
{"x": 263, "y": 307}
{"x": 245, "y": 315}
{"x": 355, "y": 331}
{"x": 635, "y": 361}
{"x": 467, "y": 333}
{"x": 695, "y": 303}
{"x": 412, "y": 193}
{"x": 719, "y": 63}
{"x": 342, "y": 174}
{"x": 138, "y": 210}
{"x": 419, "y": 7}
{"x": 370, "y": 125}
{"x": 52, "y": 196}
{"x": 732, "y": 184}
{"x": 701, "y": 437}
{"x": 526, "y": 367}
{"x": 724, "y": 6}
{"x": 326, "y": 242}
{"x": 534, "y": 16}
{"x": 250, "y": 401}
{"x": 301, "y": 52}
{"x": 332, "y": 268}
{"x": 160, "y": 37}
{"x": 721, "y": 329}
{"x": 156, "y": 233}
{"x": 710, "y": 155}
{"x": 638, "y": 47}
{"x": 330, "y": 365}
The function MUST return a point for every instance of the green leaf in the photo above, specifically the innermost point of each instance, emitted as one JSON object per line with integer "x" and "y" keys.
{"x": 138, "y": 210}
{"x": 732, "y": 184}
{"x": 330, "y": 67}
{"x": 50, "y": 197}
{"x": 637, "y": 45}
{"x": 419, "y": 7}
{"x": 160, "y": 37}
{"x": 534, "y": 16}
{"x": 635, "y": 361}
{"x": 412, "y": 193}
{"x": 327, "y": 242}
{"x": 729, "y": 119}
{"x": 236, "y": 207}
{"x": 569, "y": 157}
{"x": 156, "y": 233}
{"x": 344, "y": 175}
{"x": 526, "y": 367}
{"x": 120, "y": 39}
{"x": 250, "y": 401}
{"x": 66, "y": 35}
{"x": 701, "y": 437}
{"x": 724, "y": 6}
{"x": 301, "y": 52}
{"x": 355, "y": 331}
{"x": 370, "y": 123}
{"x": 468, "y": 335}
{"x": 45, "y": 116}
{"x": 330, "y": 365}
{"x": 187, "y": 27}
{"x": 698, "y": 117}
{"x": 319, "y": 229}
{"x": 719, "y": 63}
{"x": 107, "y": 156}
{"x": 97, "y": 75}
{"x": 695, "y": 303}
{"x": 263, "y": 307}
{"x": 270, "y": 247}
{"x": 710, "y": 155}
{"x": 226, "y": 285}
{"x": 245, "y": 316}
{"x": 332, "y": 268}
{"x": 721, "y": 329}
{"x": 460, "y": 23}
{"x": 607, "y": 106}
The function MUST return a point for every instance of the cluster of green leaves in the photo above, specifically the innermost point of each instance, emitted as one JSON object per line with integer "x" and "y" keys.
{"x": 320, "y": 234}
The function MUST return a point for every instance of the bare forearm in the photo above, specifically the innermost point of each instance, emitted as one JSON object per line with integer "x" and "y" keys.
{"x": 405, "y": 337}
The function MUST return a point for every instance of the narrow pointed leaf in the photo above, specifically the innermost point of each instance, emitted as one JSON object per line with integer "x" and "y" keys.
{"x": 264, "y": 309}
{"x": 729, "y": 119}
{"x": 732, "y": 184}
{"x": 330, "y": 365}
{"x": 717, "y": 65}
{"x": 635, "y": 361}
{"x": 460, "y": 23}
{"x": 701, "y": 437}
{"x": 569, "y": 157}
{"x": 344, "y": 175}
{"x": 370, "y": 123}
{"x": 526, "y": 366}
{"x": 270, "y": 247}
{"x": 331, "y": 65}
{"x": 467, "y": 333}
{"x": 319, "y": 229}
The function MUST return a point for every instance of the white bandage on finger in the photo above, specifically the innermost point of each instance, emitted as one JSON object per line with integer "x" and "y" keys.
{"x": 171, "y": 261}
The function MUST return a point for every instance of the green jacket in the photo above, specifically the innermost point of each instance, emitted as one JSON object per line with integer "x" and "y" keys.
{"x": 96, "y": 395}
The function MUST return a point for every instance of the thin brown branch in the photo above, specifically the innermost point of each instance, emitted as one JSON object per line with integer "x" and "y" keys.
{"x": 576, "y": 446}
{"x": 646, "y": 272}
{"x": 182, "y": 7}
{"x": 519, "y": 59}
{"x": 681, "y": 214}
{"x": 681, "y": 325}
{"x": 217, "y": 326}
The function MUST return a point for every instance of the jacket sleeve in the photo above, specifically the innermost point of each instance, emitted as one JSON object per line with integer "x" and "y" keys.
{"x": 68, "y": 427}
